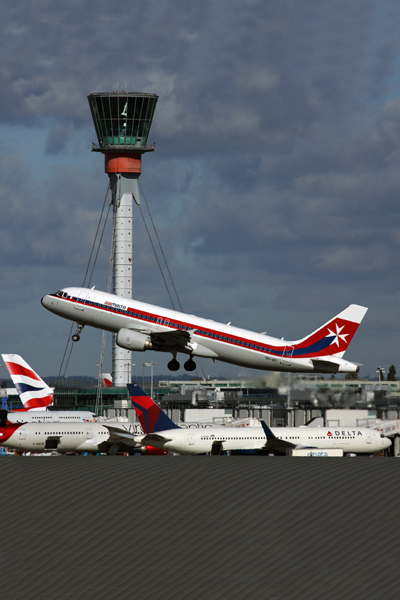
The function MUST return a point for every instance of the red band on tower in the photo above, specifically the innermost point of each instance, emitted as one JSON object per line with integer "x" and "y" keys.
{"x": 123, "y": 163}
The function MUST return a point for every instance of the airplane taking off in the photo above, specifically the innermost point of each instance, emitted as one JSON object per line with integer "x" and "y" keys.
{"x": 162, "y": 433}
{"x": 36, "y": 396}
{"x": 140, "y": 326}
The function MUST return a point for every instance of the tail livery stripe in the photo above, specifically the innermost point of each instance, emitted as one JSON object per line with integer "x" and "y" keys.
{"x": 33, "y": 391}
{"x": 22, "y": 388}
{"x": 15, "y": 369}
{"x": 39, "y": 402}
{"x": 151, "y": 417}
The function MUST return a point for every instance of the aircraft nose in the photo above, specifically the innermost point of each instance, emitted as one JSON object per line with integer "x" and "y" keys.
{"x": 45, "y": 301}
{"x": 387, "y": 443}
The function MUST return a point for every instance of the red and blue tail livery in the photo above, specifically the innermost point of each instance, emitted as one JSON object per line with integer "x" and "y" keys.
{"x": 35, "y": 394}
{"x": 151, "y": 417}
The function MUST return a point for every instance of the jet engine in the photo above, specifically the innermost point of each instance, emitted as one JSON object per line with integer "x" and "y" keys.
{"x": 132, "y": 340}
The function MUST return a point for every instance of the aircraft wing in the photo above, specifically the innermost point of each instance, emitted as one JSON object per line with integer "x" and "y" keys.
{"x": 173, "y": 337}
{"x": 118, "y": 434}
{"x": 154, "y": 437}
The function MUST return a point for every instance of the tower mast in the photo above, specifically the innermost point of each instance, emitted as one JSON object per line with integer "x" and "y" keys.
{"x": 122, "y": 121}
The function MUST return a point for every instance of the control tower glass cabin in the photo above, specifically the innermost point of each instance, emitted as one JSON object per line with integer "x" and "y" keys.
{"x": 122, "y": 121}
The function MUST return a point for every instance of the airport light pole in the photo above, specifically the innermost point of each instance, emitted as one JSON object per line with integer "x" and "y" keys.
{"x": 380, "y": 372}
{"x": 150, "y": 364}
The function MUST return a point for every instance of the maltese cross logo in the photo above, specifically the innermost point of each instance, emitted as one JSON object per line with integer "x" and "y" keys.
{"x": 337, "y": 336}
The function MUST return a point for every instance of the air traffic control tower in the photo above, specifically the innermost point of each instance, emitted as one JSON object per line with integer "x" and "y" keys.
{"x": 123, "y": 121}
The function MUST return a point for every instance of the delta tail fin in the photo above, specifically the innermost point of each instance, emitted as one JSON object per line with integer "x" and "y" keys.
{"x": 150, "y": 415}
{"x": 333, "y": 338}
{"x": 35, "y": 394}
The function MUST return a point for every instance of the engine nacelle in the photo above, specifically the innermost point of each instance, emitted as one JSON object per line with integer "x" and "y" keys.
{"x": 132, "y": 340}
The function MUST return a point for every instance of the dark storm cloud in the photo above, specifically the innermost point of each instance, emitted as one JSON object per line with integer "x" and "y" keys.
{"x": 275, "y": 179}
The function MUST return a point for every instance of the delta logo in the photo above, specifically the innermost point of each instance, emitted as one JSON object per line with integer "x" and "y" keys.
{"x": 329, "y": 434}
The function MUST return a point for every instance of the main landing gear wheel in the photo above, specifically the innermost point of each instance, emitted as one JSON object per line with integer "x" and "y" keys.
{"x": 77, "y": 335}
{"x": 173, "y": 365}
{"x": 190, "y": 365}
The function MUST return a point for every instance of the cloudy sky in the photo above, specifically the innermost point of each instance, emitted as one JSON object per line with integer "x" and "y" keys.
{"x": 274, "y": 185}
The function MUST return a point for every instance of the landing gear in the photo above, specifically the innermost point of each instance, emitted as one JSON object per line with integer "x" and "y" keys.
{"x": 190, "y": 365}
{"x": 76, "y": 337}
{"x": 173, "y": 365}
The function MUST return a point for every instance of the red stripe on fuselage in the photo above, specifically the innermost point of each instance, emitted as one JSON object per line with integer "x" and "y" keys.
{"x": 236, "y": 341}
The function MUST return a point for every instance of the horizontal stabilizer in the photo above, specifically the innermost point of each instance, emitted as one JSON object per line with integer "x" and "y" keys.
{"x": 325, "y": 366}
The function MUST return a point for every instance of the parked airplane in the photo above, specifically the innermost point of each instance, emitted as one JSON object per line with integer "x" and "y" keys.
{"x": 162, "y": 433}
{"x": 36, "y": 396}
{"x": 140, "y": 326}
{"x": 64, "y": 437}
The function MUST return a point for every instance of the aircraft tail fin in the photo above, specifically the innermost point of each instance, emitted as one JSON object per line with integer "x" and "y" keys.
{"x": 150, "y": 415}
{"x": 106, "y": 380}
{"x": 333, "y": 338}
{"x": 35, "y": 394}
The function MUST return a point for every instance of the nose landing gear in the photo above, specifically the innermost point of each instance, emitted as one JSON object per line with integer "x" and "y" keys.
{"x": 76, "y": 337}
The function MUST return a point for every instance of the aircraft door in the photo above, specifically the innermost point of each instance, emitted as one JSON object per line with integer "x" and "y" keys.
{"x": 55, "y": 417}
{"x": 287, "y": 355}
{"x": 80, "y": 302}
{"x": 89, "y": 433}
{"x": 191, "y": 439}
{"x": 369, "y": 438}
{"x": 22, "y": 434}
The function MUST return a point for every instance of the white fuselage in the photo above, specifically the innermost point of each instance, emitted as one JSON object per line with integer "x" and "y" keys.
{"x": 50, "y": 416}
{"x": 64, "y": 437}
{"x": 357, "y": 440}
{"x": 76, "y": 436}
{"x": 206, "y": 338}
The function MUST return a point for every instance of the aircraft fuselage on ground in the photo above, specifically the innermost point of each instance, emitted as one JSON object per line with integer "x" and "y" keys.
{"x": 161, "y": 432}
{"x": 140, "y": 326}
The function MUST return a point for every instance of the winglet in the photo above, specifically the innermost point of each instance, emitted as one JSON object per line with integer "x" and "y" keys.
{"x": 268, "y": 433}
{"x": 150, "y": 415}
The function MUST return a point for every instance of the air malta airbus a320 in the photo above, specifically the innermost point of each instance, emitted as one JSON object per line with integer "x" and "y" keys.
{"x": 140, "y": 326}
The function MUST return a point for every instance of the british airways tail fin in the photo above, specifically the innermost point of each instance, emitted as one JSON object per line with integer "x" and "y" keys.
{"x": 333, "y": 338}
{"x": 150, "y": 415}
{"x": 35, "y": 394}
{"x": 106, "y": 380}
